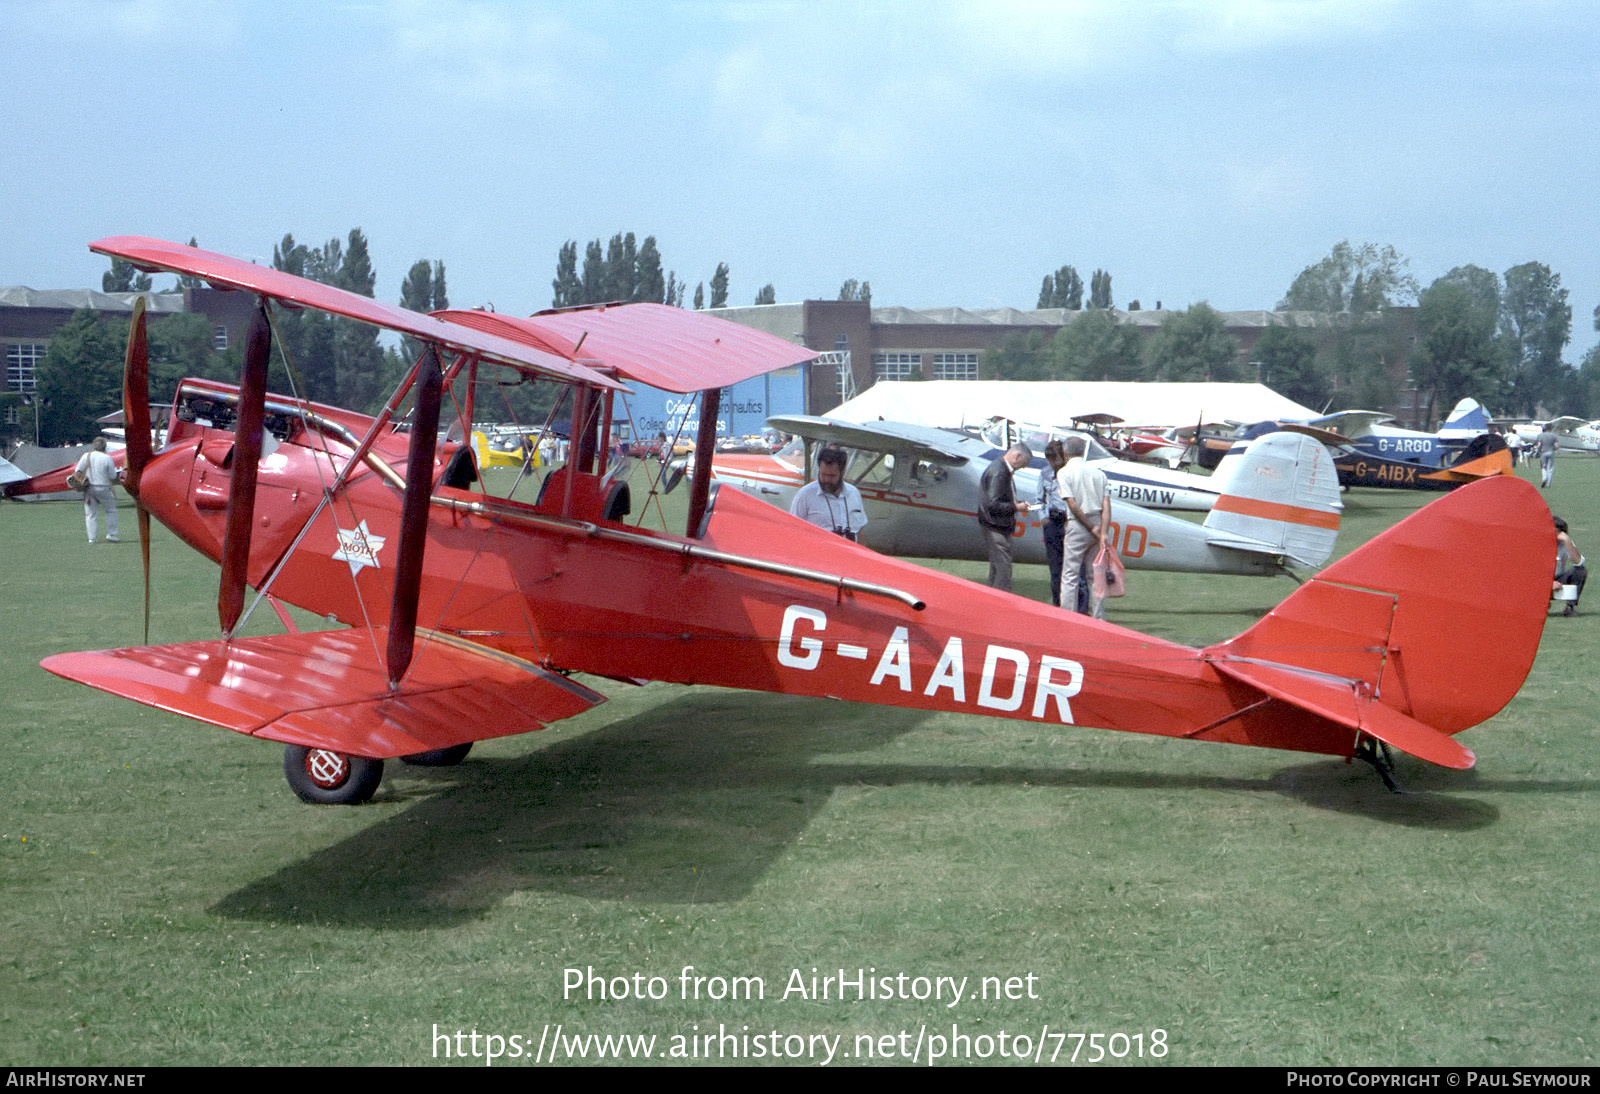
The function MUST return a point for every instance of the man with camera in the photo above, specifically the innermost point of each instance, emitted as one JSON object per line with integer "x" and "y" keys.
{"x": 830, "y": 502}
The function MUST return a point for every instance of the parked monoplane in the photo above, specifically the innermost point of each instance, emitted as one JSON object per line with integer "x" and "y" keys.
{"x": 467, "y": 615}
{"x": 1369, "y": 434}
{"x": 1277, "y": 504}
{"x": 1573, "y": 435}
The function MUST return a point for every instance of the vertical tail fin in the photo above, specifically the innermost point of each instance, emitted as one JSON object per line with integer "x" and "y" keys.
{"x": 1466, "y": 420}
{"x": 1280, "y": 496}
{"x": 1424, "y": 631}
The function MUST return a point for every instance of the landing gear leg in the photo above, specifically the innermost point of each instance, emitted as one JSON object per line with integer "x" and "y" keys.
{"x": 1376, "y": 753}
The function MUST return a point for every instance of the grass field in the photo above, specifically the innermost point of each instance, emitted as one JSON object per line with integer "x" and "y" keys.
{"x": 166, "y": 899}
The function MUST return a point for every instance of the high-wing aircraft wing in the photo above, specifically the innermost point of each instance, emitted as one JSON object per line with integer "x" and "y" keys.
{"x": 223, "y": 272}
{"x": 932, "y": 445}
{"x": 1326, "y": 436}
{"x": 1351, "y": 423}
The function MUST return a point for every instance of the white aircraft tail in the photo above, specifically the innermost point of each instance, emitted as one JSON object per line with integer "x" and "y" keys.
{"x": 1280, "y": 497}
{"x": 1466, "y": 420}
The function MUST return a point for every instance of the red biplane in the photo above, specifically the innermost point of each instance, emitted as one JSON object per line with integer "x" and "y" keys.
{"x": 468, "y": 614}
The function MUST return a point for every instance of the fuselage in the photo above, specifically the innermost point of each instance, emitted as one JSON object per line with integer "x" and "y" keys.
{"x": 921, "y": 510}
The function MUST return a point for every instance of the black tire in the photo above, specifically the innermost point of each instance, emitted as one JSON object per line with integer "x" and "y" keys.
{"x": 438, "y": 757}
{"x": 323, "y": 777}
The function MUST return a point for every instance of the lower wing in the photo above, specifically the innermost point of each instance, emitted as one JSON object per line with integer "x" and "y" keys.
{"x": 327, "y": 689}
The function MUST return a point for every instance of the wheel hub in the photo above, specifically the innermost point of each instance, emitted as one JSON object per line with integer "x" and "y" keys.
{"x": 329, "y": 770}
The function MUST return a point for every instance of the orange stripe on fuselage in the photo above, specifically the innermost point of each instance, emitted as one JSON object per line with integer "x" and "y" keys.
{"x": 1273, "y": 510}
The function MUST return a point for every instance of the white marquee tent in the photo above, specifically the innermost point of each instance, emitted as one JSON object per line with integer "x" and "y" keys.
{"x": 951, "y": 404}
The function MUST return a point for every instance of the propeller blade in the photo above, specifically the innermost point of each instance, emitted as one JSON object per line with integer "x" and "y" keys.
{"x": 136, "y": 400}
{"x": 136, "y": 433}
{"x": 247, "y": 431}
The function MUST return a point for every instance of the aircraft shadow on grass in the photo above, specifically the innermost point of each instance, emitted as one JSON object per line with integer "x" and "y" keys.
{"x": 694, "y": 800}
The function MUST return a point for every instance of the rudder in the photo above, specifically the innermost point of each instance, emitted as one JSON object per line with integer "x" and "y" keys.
{"x": 1281, "y": 495}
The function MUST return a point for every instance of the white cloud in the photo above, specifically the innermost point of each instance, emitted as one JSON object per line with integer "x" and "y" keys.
{"x": 127, "y": 23}
{"x": 1034, "y": 38}
{"x": 499, "y": 54}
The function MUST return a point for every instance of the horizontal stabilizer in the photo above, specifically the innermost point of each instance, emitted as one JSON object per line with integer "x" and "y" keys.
{"x": 327, "y": 689}
{"x": 1342, "y": 702}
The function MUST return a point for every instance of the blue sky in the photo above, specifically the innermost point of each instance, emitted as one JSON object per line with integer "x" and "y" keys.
{"x": 949, "y": 153}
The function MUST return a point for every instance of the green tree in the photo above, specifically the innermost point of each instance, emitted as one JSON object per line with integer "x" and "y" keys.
{"x": 1360, "y": 354}
{"x": 1482, "y": 285}
{"x": 1063, "y": 289}
{"x": 80, "y": 378}
{"x": 767, "y": 295}
{"x": 622, "y": 270}
{"x": 1100, "y": 289}
{"x": 1459, "y": 351}
{"x": 856, "y": 290}
{"x": 338, "y": 360}
{"x": 1362, "y": 347}
{"x": 1094, "y": 346}
{"x": 594, "y": 273}
{"x": 1193, "y": 344}
{"x": 1020, "y": 355}
{"x": 122, "y": 277}
{"x": 423, "y": 290}
{"x": 719, "y": 286}
{"x": 674, "y": 293}
{"x": 362, "y": 382}
{"x": 566, "y": 289}
{"x": 1537, "y": 320}
{"x": 700, "y": 296}
{"x": 647, "y": 283}
{"x": 1355, "y": 280}
{"x": 622, "y": 274}
{"x": 1289, "y": 365}
{"x": 181, "y": 346}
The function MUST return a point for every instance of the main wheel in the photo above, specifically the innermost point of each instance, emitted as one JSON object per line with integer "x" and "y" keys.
{"x": 324, "y": 777}
{"x": 438, "y": 757}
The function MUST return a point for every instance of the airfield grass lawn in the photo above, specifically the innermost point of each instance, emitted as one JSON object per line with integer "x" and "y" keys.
{"x": 165, "y": 899}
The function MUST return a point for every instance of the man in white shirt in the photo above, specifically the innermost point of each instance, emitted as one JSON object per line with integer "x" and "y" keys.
{"x": 830, "y": 502}
{"x": 1083, "y": 488}
{"x": 99, "y": 473}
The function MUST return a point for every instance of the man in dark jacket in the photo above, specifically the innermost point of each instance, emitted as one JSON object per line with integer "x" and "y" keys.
{"x": 998, "y": 509}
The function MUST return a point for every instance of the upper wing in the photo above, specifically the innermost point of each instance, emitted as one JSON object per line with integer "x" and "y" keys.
{"x": 1566, "y": 424}
{"x": 158, "y": 255}
{"x": 664, "y": 347}
{"x": 932, "y": 445}
{"x": 326, "y": 689}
